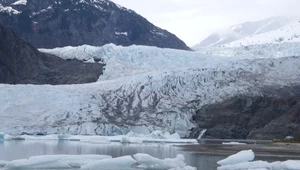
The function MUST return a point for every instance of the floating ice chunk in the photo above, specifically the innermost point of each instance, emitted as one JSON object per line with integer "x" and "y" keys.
{"x": 289, "y": 137}
{"x": 7, "y": 137}
{"x": 95, "y": 139}
{"x": 240, "y": 157}
{"x": 167, "y": 135}
{"x": 262, "y": 165}
{"x": 290, "y": 165}
{"x": 3, "y": 163}
{"x": 148, "y": 162}
{"x": 119, "y": 163}
{"x": 233, "y": 143}
{"x": 185, "y": 168}
{"x": 42, "y": 162}
{"x": 126, "y": 139}
{"x": 247, "y": 166}
{"x": 2, "y": 135}
{"x": 76, "y": 161}
{"x": 54, "y": 161}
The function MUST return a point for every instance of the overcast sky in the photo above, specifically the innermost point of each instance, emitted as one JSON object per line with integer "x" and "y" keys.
{"x": 193, "y": 20}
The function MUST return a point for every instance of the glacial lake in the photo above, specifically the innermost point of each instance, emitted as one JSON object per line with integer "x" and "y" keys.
{"x": 11, "y": 150}
{"x": 23, "y": 149}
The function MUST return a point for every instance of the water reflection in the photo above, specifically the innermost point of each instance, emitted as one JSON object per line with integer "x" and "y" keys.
{"x": 12, "y": 150}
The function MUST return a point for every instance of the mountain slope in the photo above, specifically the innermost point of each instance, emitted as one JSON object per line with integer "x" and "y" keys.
{"x": 157, "y": 95}
{"x": 287, "y": 34}
{"x": 277, "y": 43}
{"x": 49, "y": 24}
{"x": 22, "y": 63}
{"x": 240, "y": 31}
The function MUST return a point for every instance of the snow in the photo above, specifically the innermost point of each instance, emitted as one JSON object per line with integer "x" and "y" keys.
{"x": 289, "y": 33}
{"x": 20, "y": 2}
{"x": 120, "y": 163}
{"x": 243, "y": 30}
{"x": 9, "y": 10}
{"x": 240, "y": 157}
{"x": 97, "y": 162}
{"x": 240, "y": 161}
{"x": 54, "y": 161}
{"x": 277, "y": 43}
{"x": 121, "y": 33}
{"x": 148, "y": 162}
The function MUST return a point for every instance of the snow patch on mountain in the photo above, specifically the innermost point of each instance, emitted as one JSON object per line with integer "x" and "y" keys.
{"x": 9, "y": 10}
{"x": 20, "y": 2}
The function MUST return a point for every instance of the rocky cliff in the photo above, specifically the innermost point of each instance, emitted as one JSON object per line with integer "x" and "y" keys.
{"x": 49, "y": 24}
{"x": 21, "y": 63}
{"x": 273, "y": 114}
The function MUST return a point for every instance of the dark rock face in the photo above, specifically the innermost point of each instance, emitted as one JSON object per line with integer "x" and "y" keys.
{"x": 49, "y": 24}
{"x": 21, "y": 63}
{"x": 273, "y": 115}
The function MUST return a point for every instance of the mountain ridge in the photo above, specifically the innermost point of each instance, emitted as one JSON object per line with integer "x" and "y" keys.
{"x": 50, "y": 24}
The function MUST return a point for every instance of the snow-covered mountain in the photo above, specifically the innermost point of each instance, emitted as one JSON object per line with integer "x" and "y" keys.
{"x": 59, "y": 23}
{"x": 281, "y": 42}
{"x": 243, "y": 30}
{"x": 142, "y": 89}
{"x": 287, "y": 34}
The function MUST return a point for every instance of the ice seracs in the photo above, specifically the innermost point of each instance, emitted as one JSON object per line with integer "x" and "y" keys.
{"x": 148, "y": 87}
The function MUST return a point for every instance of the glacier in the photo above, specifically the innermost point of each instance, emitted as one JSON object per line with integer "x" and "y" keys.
{"x": 142, "y": 89}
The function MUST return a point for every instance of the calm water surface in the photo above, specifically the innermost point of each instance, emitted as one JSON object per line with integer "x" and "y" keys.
{"x": 11, "y": 150}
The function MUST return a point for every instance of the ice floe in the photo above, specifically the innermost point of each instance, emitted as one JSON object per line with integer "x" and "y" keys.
{"x": 240, "y": 157}
{"x": 98, "y": 162}
{"x": 241, "y": 161}
{"x": 148, "y": 162}
{"x": 54, "y": 161}
{"x": 120, "y": 163}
